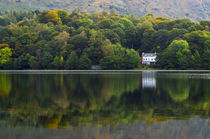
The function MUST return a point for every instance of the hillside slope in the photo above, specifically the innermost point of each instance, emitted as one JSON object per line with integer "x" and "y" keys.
{"x": 194, "y": 9}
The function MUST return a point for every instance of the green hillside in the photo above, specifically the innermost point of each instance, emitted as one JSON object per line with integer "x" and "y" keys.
{"x": 194, "y": 9}
{"x": 57, "y": 39}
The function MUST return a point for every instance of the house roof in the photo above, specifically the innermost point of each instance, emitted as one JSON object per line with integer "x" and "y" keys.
{"x": 149, "y": 54}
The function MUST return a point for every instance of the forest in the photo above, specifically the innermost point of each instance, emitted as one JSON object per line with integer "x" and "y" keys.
{"x": 57, "y": 39}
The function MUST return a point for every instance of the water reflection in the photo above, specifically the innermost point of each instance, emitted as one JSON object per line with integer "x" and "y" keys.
{"x": 148, "y": 79}
{"x": 78, "y": 100}
{"x": 5, "y": 85}
{"x": 195, "y": 128}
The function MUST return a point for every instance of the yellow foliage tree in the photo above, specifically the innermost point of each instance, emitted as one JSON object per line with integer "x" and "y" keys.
{"x": 50, "y": 16}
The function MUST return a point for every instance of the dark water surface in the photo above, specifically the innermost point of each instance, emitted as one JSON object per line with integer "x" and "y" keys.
{"x": 97, "y": 105}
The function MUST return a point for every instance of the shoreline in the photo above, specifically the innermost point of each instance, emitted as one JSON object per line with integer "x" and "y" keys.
{"x": 96, "y": 71}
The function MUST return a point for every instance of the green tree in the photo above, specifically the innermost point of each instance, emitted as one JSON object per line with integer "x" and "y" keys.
{"x": 86, "y": 22}
{"x": 79, "y": 43}
{"x": 196, "y": 40}
{"x": 110, "y": 62}
{"x": 119, "y": 58}
{"x": 84, "y": 62}
{"x": 177, "y": 55}
{"x": 56, "y": 62}
{"x": 196, "y": 60}
{"x": 5, "y": 54}
{"x": 4, "y": 21}
{"x": 105, "y": 23}
{"x": 160, "y": 39}
{"x": 206, "y": 59}
{"x": 111, "y": 35}
{"x": 126, "y": 22}
{"x": 46, "y": 61}
{"x": 32, "y": 62}
{"x": 72, "y": 61}
{"x": 22, "y": 62}
{"x": 130, "y": 60}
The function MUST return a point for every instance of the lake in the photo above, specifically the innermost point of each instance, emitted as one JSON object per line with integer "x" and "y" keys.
{"x": 105, "y": 104}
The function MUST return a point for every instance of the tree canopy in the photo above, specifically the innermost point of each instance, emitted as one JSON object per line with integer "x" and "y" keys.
{"x": 59, "y": 40}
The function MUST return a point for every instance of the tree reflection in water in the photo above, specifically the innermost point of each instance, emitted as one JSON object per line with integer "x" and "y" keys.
{"x": 63, "y": 100}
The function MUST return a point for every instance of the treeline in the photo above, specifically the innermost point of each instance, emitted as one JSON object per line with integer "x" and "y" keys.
{"x": 77, "y": 40}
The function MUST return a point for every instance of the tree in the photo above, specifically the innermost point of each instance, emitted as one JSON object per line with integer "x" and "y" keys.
{"x": 72, "y": 61}
{"x": 63, "y": 15}
{"x": 205, "y": 24}
{"x": 206, "y": 54}
{"x": 130, "y": 60}
{"x": 22, "y": 62}
{"x": 84, "y": 62}
{"x": 4, "y": 21}
{"x": 177, "y": 55}
{"x": 196, "y": 60}
{"x": 32, "y": 62}
{"x": 199, "y": 45}
{"x": 126, "y": 22}
{"x": 111, "y": 35}
{"x": 175, "y": 34}
{"x": 46, "y": 61}
{"x": 196, "y": 40}
{"x": 96, "y": 38}
{"x": 110, "y": 62}
{"x": 5, "y": 54}
{"x": 160, "y": 38}
{"x": 119, "y": 58}
{"x": 50, "y": 16}
{"x": 79, "y": 42}
{"x": 105, "y": 23}
{"x": 86, "y": 22}
{"x": 94, "y": 53}
{"x": 56, "y": 62}
{"x": 121, "y": 33}
{"x": 130, "y": 34}
{"x": 206, "y": 59}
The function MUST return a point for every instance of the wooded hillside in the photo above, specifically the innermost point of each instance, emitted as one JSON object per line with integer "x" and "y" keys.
{"x": 77, "y": 40}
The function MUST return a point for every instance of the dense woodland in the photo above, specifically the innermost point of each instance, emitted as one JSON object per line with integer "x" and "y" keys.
{"x": 77, "y": 40}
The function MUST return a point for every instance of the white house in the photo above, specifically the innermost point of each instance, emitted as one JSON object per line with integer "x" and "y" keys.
{"x": 148, "y": 58}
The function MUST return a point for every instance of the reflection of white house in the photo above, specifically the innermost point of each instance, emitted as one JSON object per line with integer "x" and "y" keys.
{"x": 148, "y": 79}
{"x": 149, "y": 58}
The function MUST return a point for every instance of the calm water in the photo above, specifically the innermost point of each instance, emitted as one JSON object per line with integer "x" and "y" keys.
{"x": 146, "y": 104}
